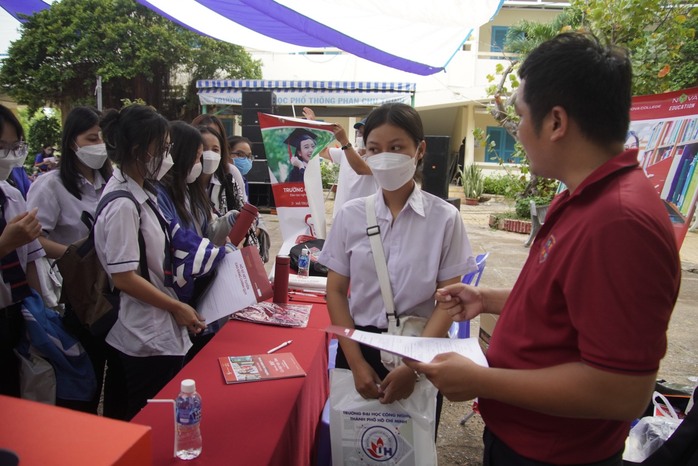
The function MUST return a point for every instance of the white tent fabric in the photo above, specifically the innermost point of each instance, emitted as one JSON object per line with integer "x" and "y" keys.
{"x": 411, "y": 35}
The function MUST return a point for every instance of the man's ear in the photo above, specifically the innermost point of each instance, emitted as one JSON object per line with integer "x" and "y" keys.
{"x": 559, "y": 121}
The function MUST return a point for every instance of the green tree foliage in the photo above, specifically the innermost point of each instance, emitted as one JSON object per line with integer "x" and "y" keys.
{"x": 139, "y": 54}
{"x": 660, "y": 35}
{"x": 43, "y": 129}
{"x": 654, "y": 31}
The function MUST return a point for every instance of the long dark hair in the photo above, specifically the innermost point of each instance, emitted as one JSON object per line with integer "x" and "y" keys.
{"x": 228, "y": 185}
{"x": 79, "y": 120}
{"x": 185, "y": 141}
{"x": 129, "y": 132}
{"x": 6, "y": 116}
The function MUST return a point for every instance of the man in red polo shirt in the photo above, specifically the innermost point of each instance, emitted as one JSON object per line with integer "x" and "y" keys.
{"x": 579, "y": 339}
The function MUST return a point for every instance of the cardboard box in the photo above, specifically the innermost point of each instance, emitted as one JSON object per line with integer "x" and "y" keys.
{"x": 487, "y": 324}
{"x": 45, "y": 434}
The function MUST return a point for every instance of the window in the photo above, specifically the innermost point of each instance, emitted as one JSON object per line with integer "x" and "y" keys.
{"x": 499, "y": 34}
{"x": 504, "y": 146}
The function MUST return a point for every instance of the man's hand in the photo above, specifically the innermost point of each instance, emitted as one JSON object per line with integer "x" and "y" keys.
{"x": 454, "y": 375}
{"x": 460, "y": 301}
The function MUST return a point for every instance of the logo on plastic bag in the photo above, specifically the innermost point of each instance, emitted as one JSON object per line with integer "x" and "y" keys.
{"x": 379, "y": 443}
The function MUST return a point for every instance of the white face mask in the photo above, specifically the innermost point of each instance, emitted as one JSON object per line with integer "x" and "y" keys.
{"x": 93, "y": 156}
{"x": 10, "y": 159}
{"x": 211, "y": 160}
{"x": 359, "y": 143}
{"x": 194, "y": 172}
{"x": 165, "y": 166}
{"x": 392, "y": 170}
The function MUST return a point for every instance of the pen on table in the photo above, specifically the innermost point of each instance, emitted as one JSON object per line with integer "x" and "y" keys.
{"x": 282, "y": 345}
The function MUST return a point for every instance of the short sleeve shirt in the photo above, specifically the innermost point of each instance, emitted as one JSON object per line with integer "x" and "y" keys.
{"x": 31, "y": 251}
{"x": 598, "y": 287}
{"x": 350, "y": 185}
{"x": 141, "y": 329}
{"x": 426, "y": 243}
{"x": 63, "y": 216}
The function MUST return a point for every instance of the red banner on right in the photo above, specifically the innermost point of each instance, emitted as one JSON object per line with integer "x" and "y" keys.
{"x": 664, "y": 127}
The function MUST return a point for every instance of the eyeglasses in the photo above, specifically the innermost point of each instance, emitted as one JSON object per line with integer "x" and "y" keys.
{"x": 238, "y": 154}
{"x": 19, "y": 149}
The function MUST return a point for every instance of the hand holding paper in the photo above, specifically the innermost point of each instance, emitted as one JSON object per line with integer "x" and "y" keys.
{"x": 417, "y": 348}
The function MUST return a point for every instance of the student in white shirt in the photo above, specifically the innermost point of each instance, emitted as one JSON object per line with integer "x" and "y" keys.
{"x": 150, "y": 338}
{"x": 425, "y": 243}
{"x": 66, "y": 200}
{"x": 19, "y": 249}
{"x": 355, "y": 178}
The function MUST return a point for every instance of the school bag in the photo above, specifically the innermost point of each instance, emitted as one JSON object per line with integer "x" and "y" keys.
{"x": 314, "y": 245}
{"x": 86, "y": 287}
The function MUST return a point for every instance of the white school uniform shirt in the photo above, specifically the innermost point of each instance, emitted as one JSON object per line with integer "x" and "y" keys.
{"x": 350, "y": 185}
{"x": 29, "y": 252}
{"x": 426, "y": 243}
{"x": 141, "y": 329}
{"x": 60, "y": 213}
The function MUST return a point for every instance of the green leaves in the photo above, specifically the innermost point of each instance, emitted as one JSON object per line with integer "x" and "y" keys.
{"x": 137, "y": 52}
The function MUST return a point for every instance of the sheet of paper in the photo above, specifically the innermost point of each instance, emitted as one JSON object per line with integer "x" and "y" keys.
{"x": 230, "y": 291}
{"x": 417, "y": 348}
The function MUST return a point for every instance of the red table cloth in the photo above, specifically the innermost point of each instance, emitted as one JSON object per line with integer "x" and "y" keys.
{"x": 271, "y": 422}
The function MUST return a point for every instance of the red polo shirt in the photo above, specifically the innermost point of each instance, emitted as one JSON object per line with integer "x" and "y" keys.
{"x": 599, "y": 286}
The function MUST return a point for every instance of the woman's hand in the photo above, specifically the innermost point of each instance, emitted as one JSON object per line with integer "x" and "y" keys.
{"x": 296, "y": 162}
{"x": 186, "y": 315}
{"x": 366, "y": 380}
{"x": 398, "y": 385}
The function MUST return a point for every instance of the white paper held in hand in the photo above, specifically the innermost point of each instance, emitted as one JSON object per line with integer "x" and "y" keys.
{"x": 418, "y": 348}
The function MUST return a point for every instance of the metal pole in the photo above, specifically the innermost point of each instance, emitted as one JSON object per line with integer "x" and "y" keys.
{"x": 98, "y": 91}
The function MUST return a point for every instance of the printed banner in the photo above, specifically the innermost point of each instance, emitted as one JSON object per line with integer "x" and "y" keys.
{"x": 664, "y": 127}
{"x": 293, "y": 146}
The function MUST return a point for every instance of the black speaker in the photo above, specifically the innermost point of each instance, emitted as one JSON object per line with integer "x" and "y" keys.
{"x": 252, "y": 132}
{"x": 250, "y": 116}
{"x": 258, "y": 99}
{"x": 259, "y": 171}
{"x": 435, "y": 166}
{"x": 258, "y": 150}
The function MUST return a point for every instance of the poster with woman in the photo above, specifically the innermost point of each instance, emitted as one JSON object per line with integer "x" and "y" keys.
{"x": 293, "y": 146}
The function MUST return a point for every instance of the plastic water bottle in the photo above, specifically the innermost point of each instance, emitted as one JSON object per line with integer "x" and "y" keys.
{"x": 304, "y": 263}
{"x": 188, "y": 442}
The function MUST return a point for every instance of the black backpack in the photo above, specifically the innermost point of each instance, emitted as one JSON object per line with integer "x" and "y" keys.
{"x": 86, "y": 286}
{"x": 315, "y": 246}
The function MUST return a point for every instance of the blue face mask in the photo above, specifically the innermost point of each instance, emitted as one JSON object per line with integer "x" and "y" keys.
{"x": 243, "y": 164}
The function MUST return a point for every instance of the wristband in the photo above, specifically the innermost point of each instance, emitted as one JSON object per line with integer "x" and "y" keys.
{"x": 348, "y": 146}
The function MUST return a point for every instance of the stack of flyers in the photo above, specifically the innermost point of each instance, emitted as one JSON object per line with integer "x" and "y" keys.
{"x": 283, "y": 315}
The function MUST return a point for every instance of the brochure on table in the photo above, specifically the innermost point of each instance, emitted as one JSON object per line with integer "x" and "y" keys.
{"x": 256, "y": 367}
{"x": 418, "y": 348}
{"x": 241, "y": 281}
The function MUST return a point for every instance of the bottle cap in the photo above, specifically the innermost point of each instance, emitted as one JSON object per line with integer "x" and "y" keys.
{"x": 188, "y": 386}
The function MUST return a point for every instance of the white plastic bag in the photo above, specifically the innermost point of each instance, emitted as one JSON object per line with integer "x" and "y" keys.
{"x": 37, "y": 378}
{"x": 410, "y": 326}
{"x": 366, "y": 432}
{"x": 651, "y": 432}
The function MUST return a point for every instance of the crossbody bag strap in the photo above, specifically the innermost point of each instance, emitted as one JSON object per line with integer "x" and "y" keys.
{"x": 106, "y": 199}
{"x": 374, "y": 235}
